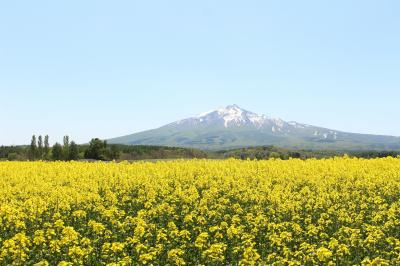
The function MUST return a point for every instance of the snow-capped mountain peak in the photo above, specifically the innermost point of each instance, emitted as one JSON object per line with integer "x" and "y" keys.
{"x": 233, "y": 116}
{"x": 232, "y": 127}
{"x": 228, "y": 110}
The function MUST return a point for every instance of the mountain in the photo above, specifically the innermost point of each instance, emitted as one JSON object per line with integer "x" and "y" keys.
{"x": 234, "y": 127}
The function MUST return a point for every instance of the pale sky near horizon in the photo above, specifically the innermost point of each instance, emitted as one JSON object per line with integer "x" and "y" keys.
{"x": 110, "y": 68}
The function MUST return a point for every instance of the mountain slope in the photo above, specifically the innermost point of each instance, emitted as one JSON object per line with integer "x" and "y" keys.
{"x": 234, "y": 127}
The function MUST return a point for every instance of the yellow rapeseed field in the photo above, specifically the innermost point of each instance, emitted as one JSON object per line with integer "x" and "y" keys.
{"x": 338, "y": 211}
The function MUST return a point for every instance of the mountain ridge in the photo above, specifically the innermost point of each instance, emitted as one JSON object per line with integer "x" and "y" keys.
{"x": 235, "y": 127}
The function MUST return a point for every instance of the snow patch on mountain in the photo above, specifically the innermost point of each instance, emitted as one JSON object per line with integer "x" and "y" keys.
{"x": 232, "y": 116}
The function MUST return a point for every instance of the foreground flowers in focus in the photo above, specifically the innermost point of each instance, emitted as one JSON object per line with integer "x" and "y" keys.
{"x": 337, "y": 211}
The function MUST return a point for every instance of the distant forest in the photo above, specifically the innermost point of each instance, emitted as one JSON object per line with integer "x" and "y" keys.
{"x": 97, "y": 149}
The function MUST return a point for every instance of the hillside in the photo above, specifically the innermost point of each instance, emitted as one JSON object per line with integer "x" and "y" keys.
{"x": 234, "y": 127}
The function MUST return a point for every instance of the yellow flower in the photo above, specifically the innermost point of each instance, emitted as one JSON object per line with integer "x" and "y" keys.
{"x": 42, "y": 263}
{"x": 340, "y": 210}
{"x": 201, "y": 240}
{"x": 175, "y": 256}
{"x": 215, "y": 253}
{"x": 324, "y": 254}
{"x": 64, "y": 263}
{"x": 117, "y": 247}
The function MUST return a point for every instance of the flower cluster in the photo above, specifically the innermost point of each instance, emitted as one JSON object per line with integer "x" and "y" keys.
{"x": 339, "y": 211}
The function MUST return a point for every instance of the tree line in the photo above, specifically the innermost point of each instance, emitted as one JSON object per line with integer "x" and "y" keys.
{"x": 97, "y": 149}
{"x": 40, "y": 149}
{"x": 268, "y": 152}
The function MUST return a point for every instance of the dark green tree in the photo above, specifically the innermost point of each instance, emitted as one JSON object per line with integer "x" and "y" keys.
{"x": 96, "y": 150}
{"x": 275, "y": 155}
{"x": 114, "y": 152}
{"x": 57, "y": 152}
{"x": 66, "y": 148}
{"x": 46, "y": 149}
{"x": 33, "y": 149}
{"x": 12, "y": 156}
{"x": 73, "y": 151}
{"x": 40, "y": 147}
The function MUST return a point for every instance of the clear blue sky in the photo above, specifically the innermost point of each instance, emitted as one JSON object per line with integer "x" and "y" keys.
{"x": 109, "y": 68}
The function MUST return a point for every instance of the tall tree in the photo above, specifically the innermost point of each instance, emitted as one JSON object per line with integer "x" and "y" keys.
{"x": 33, "y": 149}
{"x": 57, "y": 152}
{"x": 46, "y": 149}
{"x": 114, "y": 152}
{"x": 96, "y": 150}
{"x": 40, "y": 147}
{"x": 66, "y": 148}
{"x": 73, "y": 151}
